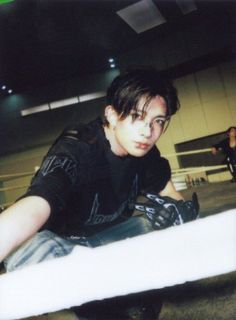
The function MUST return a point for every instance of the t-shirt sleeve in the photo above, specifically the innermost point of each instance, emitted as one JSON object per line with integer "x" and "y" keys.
{"x": 156, "y": 171}
{"x": 57, "y": 174}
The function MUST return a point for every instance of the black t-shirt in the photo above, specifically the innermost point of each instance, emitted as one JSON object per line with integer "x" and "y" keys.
{"x": 87, "y": 186}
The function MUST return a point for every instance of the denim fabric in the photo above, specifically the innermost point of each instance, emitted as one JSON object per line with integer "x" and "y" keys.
{"x": 43, "y": 246}
{"x": 132, "y": 227}
{"x": 46, "y": 245}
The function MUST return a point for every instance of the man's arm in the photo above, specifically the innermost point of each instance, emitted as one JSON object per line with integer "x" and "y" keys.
{"x": 168, "y": 208}
{"x": 170, "y": 191}
{"x": 21, "y": 221}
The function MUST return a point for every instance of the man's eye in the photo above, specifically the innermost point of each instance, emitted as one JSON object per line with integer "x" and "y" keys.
{"x": 161, "y": 122}
{"x": 137, "y": 116}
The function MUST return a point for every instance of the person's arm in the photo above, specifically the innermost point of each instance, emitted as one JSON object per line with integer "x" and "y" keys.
{"x": 21, "y": 221}
{"x": 168, "y": 208}
{"x": 170, "y": 191}
{"x": 219, "y": 147}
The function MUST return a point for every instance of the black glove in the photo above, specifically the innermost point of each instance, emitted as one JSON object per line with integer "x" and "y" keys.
{"x": 164, "y": 212}
{"x": 187, "y": 210}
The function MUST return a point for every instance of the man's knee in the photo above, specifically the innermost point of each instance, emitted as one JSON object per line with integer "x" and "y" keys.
{"x": 44, "y": 245}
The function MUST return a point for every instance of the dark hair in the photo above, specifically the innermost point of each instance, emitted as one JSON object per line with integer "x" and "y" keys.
{"x": 228, "y": 130}
{"x": 127, "y": 89}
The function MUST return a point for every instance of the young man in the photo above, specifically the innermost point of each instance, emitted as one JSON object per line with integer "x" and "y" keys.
{"x": 86, "y": 188}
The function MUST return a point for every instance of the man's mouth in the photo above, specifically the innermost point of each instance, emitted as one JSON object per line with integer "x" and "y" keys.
{"x": 141, "y": 145}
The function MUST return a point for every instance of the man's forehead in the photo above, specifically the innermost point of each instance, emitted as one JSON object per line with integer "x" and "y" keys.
{"x": 145, "y": 101}
{"x": 147, "y": 107}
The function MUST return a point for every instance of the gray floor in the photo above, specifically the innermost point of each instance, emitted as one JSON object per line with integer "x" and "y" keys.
{"x": 214, "y": 197}
{"x": 211, "y": 299}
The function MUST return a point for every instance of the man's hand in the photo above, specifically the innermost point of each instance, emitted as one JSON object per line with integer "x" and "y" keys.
{"x": 164, "y": 212}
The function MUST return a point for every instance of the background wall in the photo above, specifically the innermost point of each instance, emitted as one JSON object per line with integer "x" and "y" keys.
{"x": 208, "y": 106}
{"x": 21, "y": 133}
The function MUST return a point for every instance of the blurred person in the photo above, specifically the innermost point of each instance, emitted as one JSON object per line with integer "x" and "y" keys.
{"x": 228, "y": 147}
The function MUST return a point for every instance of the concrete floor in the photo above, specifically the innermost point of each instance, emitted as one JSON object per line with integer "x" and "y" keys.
{"x": 212, "y": 298}
{"x": 214, "y": 197}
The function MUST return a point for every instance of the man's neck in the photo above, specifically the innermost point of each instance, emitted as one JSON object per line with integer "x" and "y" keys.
{"x": 115, "y": 147}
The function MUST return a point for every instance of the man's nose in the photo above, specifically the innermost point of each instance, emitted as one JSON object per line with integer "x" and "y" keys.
{"x": 146, "y": 129}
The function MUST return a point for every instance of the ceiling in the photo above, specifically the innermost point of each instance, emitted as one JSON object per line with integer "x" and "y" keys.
{"x": 43, "y": 41}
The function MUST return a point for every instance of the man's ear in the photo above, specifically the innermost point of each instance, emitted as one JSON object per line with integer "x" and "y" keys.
{"x": 111, "y": 115}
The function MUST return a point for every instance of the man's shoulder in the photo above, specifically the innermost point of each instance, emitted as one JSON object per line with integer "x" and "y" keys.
{"x": 78, "y": 140}
{"x": 83, "y": 132}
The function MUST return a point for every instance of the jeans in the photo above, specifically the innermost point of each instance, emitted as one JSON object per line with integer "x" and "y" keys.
{"x": 46, "y": 245}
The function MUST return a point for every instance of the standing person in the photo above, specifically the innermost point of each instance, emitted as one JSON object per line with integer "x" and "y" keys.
{"x": 88, "y": 183}
{"x": 228, "y": 147}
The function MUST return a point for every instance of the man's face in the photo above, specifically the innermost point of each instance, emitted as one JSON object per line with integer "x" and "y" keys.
{"x": 139, "y": 131}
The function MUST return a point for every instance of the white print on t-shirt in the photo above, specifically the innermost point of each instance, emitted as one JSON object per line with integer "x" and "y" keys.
{"x": 59, "y": 162}
{"x": 96, "y": 218}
